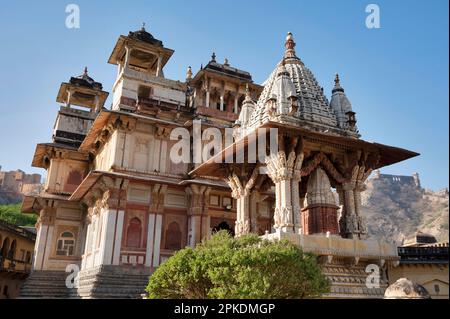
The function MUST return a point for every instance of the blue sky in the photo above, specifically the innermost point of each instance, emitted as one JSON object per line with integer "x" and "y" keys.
{"x": 396, "y": 77}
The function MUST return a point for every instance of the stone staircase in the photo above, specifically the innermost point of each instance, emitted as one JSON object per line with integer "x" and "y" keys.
{"x": 113, "y": 282}
{"x": 46, "y": 284}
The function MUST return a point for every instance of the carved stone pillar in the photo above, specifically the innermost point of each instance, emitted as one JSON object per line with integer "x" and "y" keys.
{"x": 241, "y": 190}
{"x": 197, "y": 212}
{"x": 362, "y": 229}
{"x": 280, "y": 170}
{"x": 349, "y": 222}
{"x": 296, "y": 177}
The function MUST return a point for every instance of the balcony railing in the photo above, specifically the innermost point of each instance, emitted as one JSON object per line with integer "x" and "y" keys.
{"x": 14, "y": 265}
{"x": 423, "y": 254}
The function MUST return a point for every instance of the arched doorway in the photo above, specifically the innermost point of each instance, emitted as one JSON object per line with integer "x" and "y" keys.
{"x": 223, "y": 225}
{"x": 173, "y": 236}
{"x": 134, "y": 232}
{"x": 5, "y": 248}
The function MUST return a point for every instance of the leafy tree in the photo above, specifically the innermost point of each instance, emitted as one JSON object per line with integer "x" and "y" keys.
{"x": 237, "y": 268}
{"x": 12, "y": 215}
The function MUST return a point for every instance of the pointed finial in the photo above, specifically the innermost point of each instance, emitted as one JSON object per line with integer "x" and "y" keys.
{"x": 213, "y": 57}
{"x": 337, "y": 84}
{"x": 289, "y": 46}
{"x": 201, "y": 66}
{"x": 143, "y": 26}
{"x": 336, "y": 80}
{"x": 248, "y": 98}
{"x": 189, "y": 73}
{"x": 85, "y": 72}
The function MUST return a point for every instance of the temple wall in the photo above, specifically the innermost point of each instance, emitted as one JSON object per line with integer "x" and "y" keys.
{"x": 128, "y": 84}
{"x": 105, "y": 159}
{"x": 434, "y": 277}
{"x": 60, "y": 238}
{"x": 64, "y": 175}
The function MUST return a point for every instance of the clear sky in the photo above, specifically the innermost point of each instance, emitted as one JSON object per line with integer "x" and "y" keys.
{"x": 396, "y": 76}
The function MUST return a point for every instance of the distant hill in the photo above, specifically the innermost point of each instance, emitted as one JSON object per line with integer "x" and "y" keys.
{"x": 396, "y": 207}
{"x": 10, "y": 198}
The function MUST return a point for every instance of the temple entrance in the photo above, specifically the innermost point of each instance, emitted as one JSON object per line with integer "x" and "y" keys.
{"x": 223, "y": 226}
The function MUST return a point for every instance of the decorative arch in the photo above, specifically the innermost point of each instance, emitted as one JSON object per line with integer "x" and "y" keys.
{"x": 173, "y": 236}
{"x": 134, "y": 233}
{"x": 322, "y": 159}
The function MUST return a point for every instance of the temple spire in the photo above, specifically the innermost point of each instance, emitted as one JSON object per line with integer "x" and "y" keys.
{"x": 248, "y": 98}
{"x": 189, "y": 73}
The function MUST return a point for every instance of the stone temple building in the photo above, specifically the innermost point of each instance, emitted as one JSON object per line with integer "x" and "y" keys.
{"x": 116, "y": 205}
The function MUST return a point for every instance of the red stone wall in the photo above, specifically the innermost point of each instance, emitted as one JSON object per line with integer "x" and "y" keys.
{"x": 320, "y": 219}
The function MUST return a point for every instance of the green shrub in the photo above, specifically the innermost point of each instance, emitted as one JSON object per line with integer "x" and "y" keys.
{"x": 236, "y": 268}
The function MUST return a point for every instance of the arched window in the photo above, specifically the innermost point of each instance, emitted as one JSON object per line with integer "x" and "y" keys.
{"x": 28, "y": 257}
{"x": 5, "y": 247}
{"x": 134, "y": 231}
{"x": 66, "y": 244}
{"x": 12, "y": 250}
{"x": 173, "y": 236}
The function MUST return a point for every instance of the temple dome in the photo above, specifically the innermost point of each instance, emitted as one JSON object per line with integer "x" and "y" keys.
{"x": 86, "y": 81}
{"x": 404, "y": 288}
{"x": 145, "y": 36}
{"x": 340, "y": 104}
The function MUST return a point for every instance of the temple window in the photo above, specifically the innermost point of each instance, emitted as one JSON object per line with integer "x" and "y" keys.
{"x": 28, "y": 257}
{"x": 436, "y": 289}
{"x": 144, "y": 92}
{"x": 173, "y": 236}
{"x": 73, "y": 180}
{"x": 134, "y": 231}
{"x": 5, "y": 247}
{"x": 66, "y": 244}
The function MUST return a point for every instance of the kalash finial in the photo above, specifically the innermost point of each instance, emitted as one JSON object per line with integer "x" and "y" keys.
{"x": 337, "y": 80}
{"x": 143, "y": 26}
{"x": 213, "y": 57}
{"x": 289, "y": 45}
{"x": 337, "y": 84}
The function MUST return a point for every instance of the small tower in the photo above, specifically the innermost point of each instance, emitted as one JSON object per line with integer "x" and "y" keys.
{"x": 416, "y": 179}
{"x": 140, "y": 60}
{"x": 72, "y": 124}
{"x": 82, "y": 91}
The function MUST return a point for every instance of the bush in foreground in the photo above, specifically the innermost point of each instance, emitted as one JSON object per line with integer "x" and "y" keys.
{"x": 235, "y": 268}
